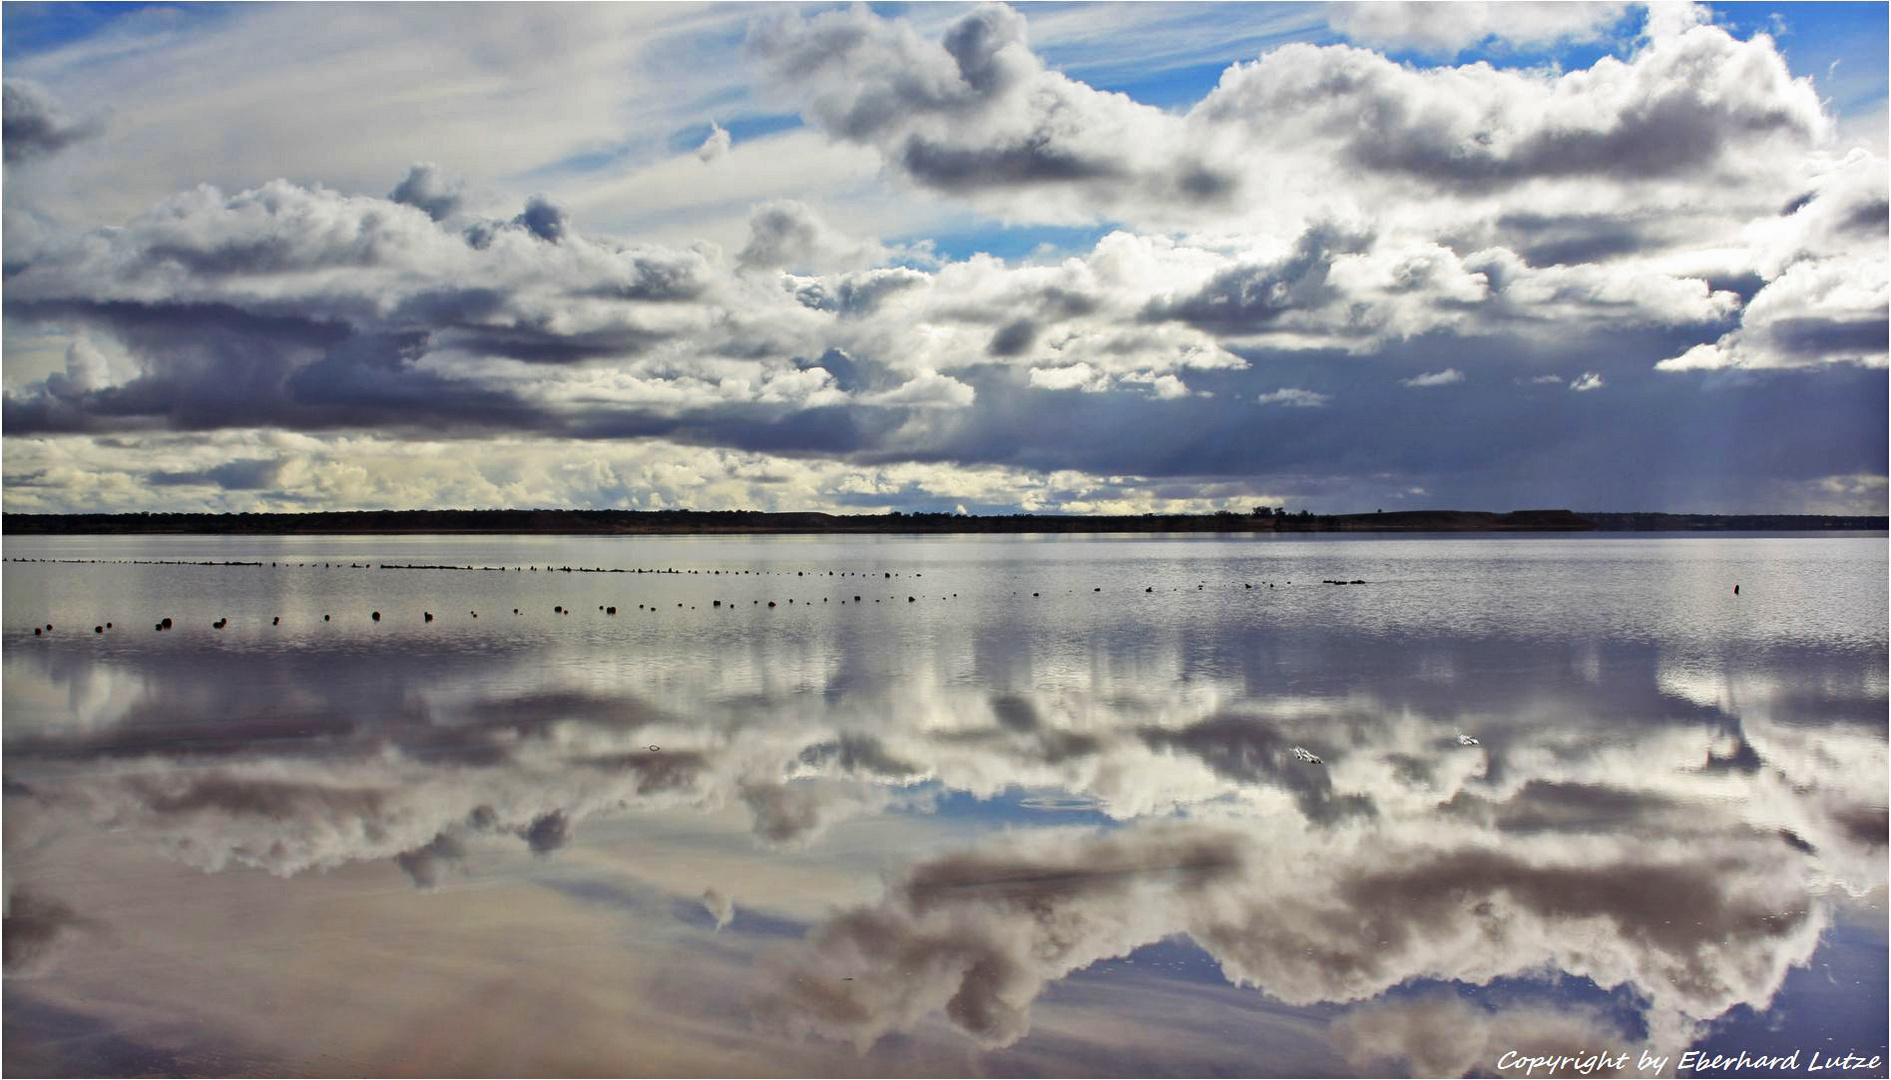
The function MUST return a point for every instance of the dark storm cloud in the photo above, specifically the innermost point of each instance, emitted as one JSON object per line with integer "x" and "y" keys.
{"x": 235, "y": 796}
{"x": 857, "y": 754}
{"x": 1105, "y": 867}
{"x": 544, "y": 219}
{"x": 212, "y": 367}
{"x": 1490, "y": 443}
{"x": 1013, "y": 338}
{"x": 1033, "y": 159}
{"x": 1822, "y": 337}
{"x": 1549, "y": 806}
{"x": 37, "y": 926}
{"x": 1559, "y": 239}
{"x": 301, "y": 360}
{"x": 1015, "y": 712}
{"x": 858, "y": 293}
{"x": 425, "y": 863}
{"x": 1645, "y": 900}
{"x": 1663, "y": 137}
{"x": 656, "y": 771}
{"x": 1251, "y": 750}
{"x": 251, "y": 475}
{"x": 548, "y": 832}
{"x": 1243, "y": 298}
{"x": 430, "y": 188}
{"x": 32, "y": 123}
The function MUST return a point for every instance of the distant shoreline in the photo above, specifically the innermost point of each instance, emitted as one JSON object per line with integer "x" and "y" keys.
{"x": 737, "y": 522}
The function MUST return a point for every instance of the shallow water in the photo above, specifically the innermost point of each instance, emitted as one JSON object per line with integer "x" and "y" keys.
{"x": 954, "y": 805}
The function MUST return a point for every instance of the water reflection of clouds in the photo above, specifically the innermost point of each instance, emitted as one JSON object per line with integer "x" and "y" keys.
{"x": 1627, "y": 817}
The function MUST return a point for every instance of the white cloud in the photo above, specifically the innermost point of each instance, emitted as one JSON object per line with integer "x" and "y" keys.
{"x": 1320, "y": 200}
{"x": 928, "y": 389}
{"x": 786, "y": 234}
{"x": 1074, "y": 377}
{"x": 1447, "y": 377}
{"x": 1167, "y": 387}
{"x": 1588, "y": 380}
{"x": 1448, "y": 29}
{"x": 1828, "y": 282}
{"x": 352, "y": 100}
{"x": 278, "y": 471}
{"x": 716, "y": 146}
{"x": 1292, "y": 396}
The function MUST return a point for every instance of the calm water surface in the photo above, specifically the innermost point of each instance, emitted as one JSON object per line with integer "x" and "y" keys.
{"x": 998, "y": 806}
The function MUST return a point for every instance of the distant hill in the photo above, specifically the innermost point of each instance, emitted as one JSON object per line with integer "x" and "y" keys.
{"x": 750, "y": 521}
{"x": 1648, "y": 522}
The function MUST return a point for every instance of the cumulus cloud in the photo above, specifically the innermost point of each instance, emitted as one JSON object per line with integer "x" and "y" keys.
{"x": 34, "y": 125}
{"x": 786, "y": 234}
{"x": 1336, "y": 287}
{"x": 1677, "y": 107}
{"x": 977, "y": 114}
{"x": 1827, "y": 286}
{"x": 977, "y": 111}
{"x": 430, "y": 188}
{"x": 543, "y": 218}
{"x": 425, "y": 863}
{"x": 1828, "y": 311}
{"x": 1588, "y": 380}
{"x": 304, "y": 307}
{"x": 1077, "y": 376}
{"x": 1447, "y": 377}
{"x": 1476, "y": 219}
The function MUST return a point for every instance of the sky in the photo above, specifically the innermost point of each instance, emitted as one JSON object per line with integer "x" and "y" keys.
{"x": 1074, "y": 258}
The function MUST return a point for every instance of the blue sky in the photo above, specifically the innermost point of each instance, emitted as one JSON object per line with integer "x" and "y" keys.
{"x": 1064, "y": 257}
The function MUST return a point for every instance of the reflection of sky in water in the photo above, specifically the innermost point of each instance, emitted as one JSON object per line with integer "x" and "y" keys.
{"x": 976, "y": 830}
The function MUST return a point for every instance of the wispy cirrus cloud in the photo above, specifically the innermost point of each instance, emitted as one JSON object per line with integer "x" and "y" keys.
{"x": 1295, "y": 397}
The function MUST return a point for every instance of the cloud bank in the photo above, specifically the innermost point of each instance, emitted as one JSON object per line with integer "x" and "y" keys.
{"x": 1672, "y": 215}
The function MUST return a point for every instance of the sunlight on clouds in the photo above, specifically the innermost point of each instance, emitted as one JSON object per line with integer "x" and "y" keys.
{"x": 1683, "y": 203}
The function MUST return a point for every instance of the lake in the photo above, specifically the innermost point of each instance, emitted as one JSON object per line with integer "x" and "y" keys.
{"x": 942, "y": 806}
